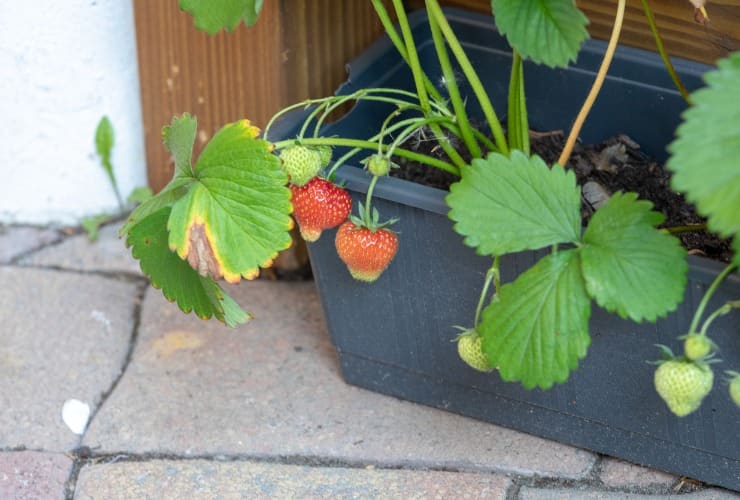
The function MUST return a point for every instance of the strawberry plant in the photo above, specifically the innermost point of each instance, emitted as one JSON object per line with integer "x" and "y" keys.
{"x": 228, "y": 214}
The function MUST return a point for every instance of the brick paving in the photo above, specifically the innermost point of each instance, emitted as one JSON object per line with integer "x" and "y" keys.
{"x": 183, "y": 408}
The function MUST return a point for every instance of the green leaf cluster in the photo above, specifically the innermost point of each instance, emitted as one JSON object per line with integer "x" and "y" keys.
{"x": 536, "y": 330}
{"x": 706, "y": 153}
{"x": 548, "y": 32}
{"x": 225, "y": 217}
{"x": 212, "y": 16}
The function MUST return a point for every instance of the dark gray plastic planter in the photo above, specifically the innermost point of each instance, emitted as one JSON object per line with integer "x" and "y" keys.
{"x": 395, "y": 336}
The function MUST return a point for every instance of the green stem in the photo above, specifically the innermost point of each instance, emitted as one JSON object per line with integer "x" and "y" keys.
{"x": 359, "y": 143}
{"x": 302, "y": 104}
{"x": 492, "y": 275}
{"x": 412, "y": 54}
{"x": 408, "y": 131}
{"x": 685, "y": 229}
{"x": 367, "y": 218}
{"x": 418, "y": 74}
{"x": 721, "y": 311}
{"x": 518, "y": 121}
{"x": 398, "y": 42}
{"x": 376, "y": 139}
{"x": 480, "y": 92}
{"x": 708, "y": 295}
{"x": 454, "y": 92}
{"x": 663, "y": 54}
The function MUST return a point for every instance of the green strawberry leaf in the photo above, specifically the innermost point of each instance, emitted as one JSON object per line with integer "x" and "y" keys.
{"x": 178, "y": 138}
{"x": 546, "y": 31}
{"x": 706, "y": 153}
{"x": 179, "y": 282}
{"x": 176, "y": 189}
{"x": 538, "y": 329}
{"x": 629, "y": 266}
{"x": 502, "y": 205}
{"x": 213, "y": 15}
{"x": 736, "y": 249}
{"x": 235, "y": 217}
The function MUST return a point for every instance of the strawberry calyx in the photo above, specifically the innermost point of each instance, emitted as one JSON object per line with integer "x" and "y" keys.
{"x": 370, "y": 219}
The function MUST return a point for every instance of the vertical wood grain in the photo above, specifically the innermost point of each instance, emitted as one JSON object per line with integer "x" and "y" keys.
{"x": 296, "y": 50}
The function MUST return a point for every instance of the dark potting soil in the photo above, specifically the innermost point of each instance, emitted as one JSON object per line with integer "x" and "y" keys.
{"x": 616, "y": 164}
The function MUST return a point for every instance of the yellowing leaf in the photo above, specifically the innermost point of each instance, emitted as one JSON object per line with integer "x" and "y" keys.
{"x": 235, "y": 218}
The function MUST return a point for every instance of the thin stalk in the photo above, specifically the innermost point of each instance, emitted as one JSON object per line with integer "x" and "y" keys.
{"x": 721, "y": 311}
{"x": 302, "y": 104}
{"x": 596, "y": 88}
{"x": 685, "y": 229}
{"x": 663, "y": 53}
{"x": 418, "y": 74}
{"x": 367, "y": 218}
{"x": 492, "y": 275}
{"x": 408, "y": 131}
{"x": 518, "y": 121}
{"x": 708, "y": 295}
{"x": 359, "y": 143}
{"x": 452, "y": 89}
{"x": 467, "y": 68}
{"x": 398, "y": 42}
{"x": 376, "y": 139}
{"x": 412, "y": 54}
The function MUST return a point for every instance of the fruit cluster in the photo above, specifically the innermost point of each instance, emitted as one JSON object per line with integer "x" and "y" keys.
{"x": 366, "y": 246}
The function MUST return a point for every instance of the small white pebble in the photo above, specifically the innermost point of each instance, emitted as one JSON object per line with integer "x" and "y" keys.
{"x": 76, "y": 414}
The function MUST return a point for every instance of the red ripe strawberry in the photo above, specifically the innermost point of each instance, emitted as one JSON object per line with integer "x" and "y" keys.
{"x": 318, "y": 205}
{"x": 366, "y": 252}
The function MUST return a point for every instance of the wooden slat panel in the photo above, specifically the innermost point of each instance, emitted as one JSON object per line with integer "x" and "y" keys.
{"x": 296, "y": 50}
{"x": 682, "y": 36}
{"x": 218, "y": 78}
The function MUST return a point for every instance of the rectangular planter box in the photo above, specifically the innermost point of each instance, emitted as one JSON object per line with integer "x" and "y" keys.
{"x": 395, "y": 336}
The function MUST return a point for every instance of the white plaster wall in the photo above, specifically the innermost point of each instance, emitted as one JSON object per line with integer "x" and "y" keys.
{"x": 63, "y": 65}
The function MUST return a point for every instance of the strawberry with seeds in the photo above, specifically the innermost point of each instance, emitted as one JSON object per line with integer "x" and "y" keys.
{"x": 366, "y": 246}
{"x": 319, "y": 205}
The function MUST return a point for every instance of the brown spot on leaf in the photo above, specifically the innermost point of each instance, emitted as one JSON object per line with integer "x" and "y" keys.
{"x": 201, "y": 256}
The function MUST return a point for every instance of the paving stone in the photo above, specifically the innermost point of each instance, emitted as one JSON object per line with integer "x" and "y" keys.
{"x": 620, "y": 474}
{"x": 198, "y": 479}
{"x": 273, "y": 388}
{"x": 17, "y": 240}
{"x": 527, "y": 493}
{"x": 63, "y": 335}
{"x": 107, "y": 253}
{"x": 33, "y": 475}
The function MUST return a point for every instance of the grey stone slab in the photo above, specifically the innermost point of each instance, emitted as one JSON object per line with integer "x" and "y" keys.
{"x": 198, "y": 479}
{"x": 273, "y": 388}
{"x": 107, "y": 253}
{"x": 17, "y": 240}
{"x": 619, "y": 474}
{"x": 528, "y": 493}
{"x": 26, "y": 475}
{"x": 62, "y": 335}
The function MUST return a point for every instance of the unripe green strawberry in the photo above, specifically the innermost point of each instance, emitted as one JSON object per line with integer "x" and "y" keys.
{"x": 324, "y": 155}
{"x": 683, "y": 384}
{"x": 378, "y": 165}
{"x": 697, "y": 346}
{"x": 366, "y": 253}
{"x": 470, "y": 349}
{"x": 301, "y": 163}
{"x": 735, "y": 387}
{"x": 319, "y": 205}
